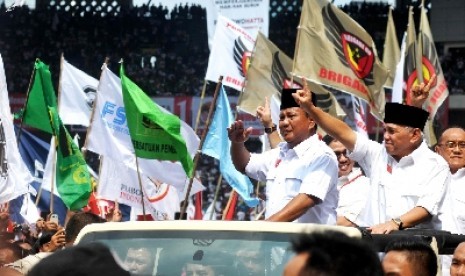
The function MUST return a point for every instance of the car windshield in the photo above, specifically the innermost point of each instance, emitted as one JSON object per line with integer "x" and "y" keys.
{"x": 190, "y": 252}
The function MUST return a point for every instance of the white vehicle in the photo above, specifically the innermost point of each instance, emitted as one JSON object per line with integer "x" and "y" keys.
{"x": 232, "y": 247}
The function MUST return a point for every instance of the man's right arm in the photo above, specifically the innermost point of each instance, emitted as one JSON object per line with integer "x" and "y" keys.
{"x": 333, "y": 126}
{"x": 239, "y": 154}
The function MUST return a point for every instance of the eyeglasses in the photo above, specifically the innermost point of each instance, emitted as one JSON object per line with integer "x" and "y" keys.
{"x": 341, "y": 153}
{"x": 453, "y": 144}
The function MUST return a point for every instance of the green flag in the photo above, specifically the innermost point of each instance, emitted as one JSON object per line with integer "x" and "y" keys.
{"x": 154, "y": 133}
{"x": 72, "y": 177}
{"x": 40, "y": 96}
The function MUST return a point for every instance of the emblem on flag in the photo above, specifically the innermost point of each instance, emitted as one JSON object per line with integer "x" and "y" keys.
{"x": 241, "y": 56}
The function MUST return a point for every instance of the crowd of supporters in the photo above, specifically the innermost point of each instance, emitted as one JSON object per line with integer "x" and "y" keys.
{"x": 165, "y": 52}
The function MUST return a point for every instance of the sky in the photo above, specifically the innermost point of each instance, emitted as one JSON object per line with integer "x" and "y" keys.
{"x": 170, "y": 3}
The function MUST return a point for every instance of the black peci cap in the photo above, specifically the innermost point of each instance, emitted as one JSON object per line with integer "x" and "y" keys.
{"x": 405, "y": 115}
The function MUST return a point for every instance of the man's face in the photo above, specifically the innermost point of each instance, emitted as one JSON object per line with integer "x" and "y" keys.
{"x": 344, "y": 163}
{"x": 294, "y": 125}
{"x": 457, "y": 267}
{"x": 395, "y": 263}
{"x": 449, "y": 147}
{"x": 398, "y": 140}
{"x": 199, "y": 270}
{"x": 139, "y": 261}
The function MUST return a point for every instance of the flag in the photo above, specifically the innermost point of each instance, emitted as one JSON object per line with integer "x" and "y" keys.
{"x": 41, "y": 95}
{"x": 77, "y": 94}
{"x": 210, "y": 213}
{"x": 109, "y": 135}
{"x": 17, "y": 3}
{"x": 34, "y": 152}
{"x": 14, "y": 175}
{"x": 155, "y": 134}
{"x": 198, "y": 214}
{"x": 398, "y": 84}
{"x": 162, "y": 199}
{"x": 230, "y": 53}
{"x": 232, "y": 207}
{"x": 217, "y": 145}
{"x": 72, "y": 177}
{"x": 360, "y": 116}
{"x": 118, "y": 182}
{"x": 391, "y": 53}
{"x": 430, "y": 66}
{"x": 349, "y": 64}
{"x": 269, "y": 71}
{"x": 412, "y": 62}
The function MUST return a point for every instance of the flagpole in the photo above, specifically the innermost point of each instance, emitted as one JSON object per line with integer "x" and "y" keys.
{"x": 25, "y": 104}
{"x": 228, "y": 205}
{"x": 140, "y": 186}
{"x": 89, "y": 128}
{"x": 296, "y": 49}
{"x": 199, "y": 111}
{"x": 202, "y": 140}
{"x": 217, "y": 191}
{"x": 54, "y": 164}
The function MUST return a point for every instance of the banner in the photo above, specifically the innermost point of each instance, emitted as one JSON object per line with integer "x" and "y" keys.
{"x": 251, "y": 16}
{"x": 77, "y": 94}
{"x": 334, "y": 50}
{"x": 412, "y": 63}
{"x": 391, "y": 53}
{"x": 109, "y": 135}
{"x": 269, "y": 71}
{"x": 14, "y": 175}
{"x": 230, "y": 54}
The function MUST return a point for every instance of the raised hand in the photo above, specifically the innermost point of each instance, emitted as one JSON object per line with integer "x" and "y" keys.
{"x": 264, "y": 114}
{"x": 237, "y": 133}
{"x": 419, "y": 93}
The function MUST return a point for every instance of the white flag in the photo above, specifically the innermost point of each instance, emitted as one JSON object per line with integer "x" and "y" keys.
{"x": 14, "y": 175}
{"x": 77, "y": 94}
{"x": 109, "y": 135}
{"x": 50, "y": 170}
{"x": 230, "y": 54}
{"x": 360, "y": 118}
{"x": 118, "y": 182}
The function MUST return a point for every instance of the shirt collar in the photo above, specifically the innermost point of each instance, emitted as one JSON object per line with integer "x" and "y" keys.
{"x": 301, "y": 148}
{"x": 459, "y": 173}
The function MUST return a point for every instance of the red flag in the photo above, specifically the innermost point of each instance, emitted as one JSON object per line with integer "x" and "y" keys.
{"x": 198, "y": 206}
{"x": 232, "y": 207}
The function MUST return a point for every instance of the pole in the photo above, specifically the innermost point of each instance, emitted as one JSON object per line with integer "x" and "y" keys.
{"x": 25, "y": 105}
{"x": 140, "y": 186}
{"x": 217, "y": 191}
{"x": 202, "y": 140}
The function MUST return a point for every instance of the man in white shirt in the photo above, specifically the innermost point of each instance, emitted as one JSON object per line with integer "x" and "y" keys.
{"x": 353, "y": 187}
{"x": 300, "y": 174}
{"x": 451, "y": 146}
{"x": 408, "y": 181}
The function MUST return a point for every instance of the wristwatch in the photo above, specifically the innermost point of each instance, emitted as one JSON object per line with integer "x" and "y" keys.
{"x": 269, "y": 130}
{"x": 399, "y": 222}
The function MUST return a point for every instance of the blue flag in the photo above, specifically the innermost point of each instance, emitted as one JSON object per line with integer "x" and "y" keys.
{"x": 217, "y": 145}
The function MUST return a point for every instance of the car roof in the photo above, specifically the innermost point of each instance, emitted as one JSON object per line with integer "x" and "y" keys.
{"x": 206, "y": 225}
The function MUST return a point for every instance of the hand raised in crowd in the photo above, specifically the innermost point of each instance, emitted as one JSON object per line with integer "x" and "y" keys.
{"x": 419, "y": 93}
{"x": 114, "y": 214}
{"x": 58, "y": 240}
{"x": 264, "y": 114}
{"x": 237, "y": 133}
{"x": 303, "y": 97}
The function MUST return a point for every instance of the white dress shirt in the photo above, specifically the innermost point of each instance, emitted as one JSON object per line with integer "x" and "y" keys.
{"x": 419, "y": 179}
{"x": 309, "y": 168}
{"x": 457, "y": 188}
{"x": 354, "y": 190}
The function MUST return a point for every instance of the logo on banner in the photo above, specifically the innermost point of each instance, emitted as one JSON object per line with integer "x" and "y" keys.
{"x": 242, "y": 56}
{"x": 351, "y": 50}
{"x": 91, "y": 94}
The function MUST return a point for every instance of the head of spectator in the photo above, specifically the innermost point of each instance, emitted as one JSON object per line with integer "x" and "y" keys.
{"x": 403, "y": 125}
{"x": 250, "y": 261}
{"x": 332, "y": 253}
{"x": 94, "y": 259}
{"x": 345, "y": 164}
{"x": 77, "y": 222}
{"x": 412, "y": 256}
{"x": 295, "y": 125}
{"x": 207, "y": 263}
{"x": 139, "y": 260}
{"x": 9, "y": 252}
{"x": 451, "y": 146}
{"x": 457, "y": 267}
{"x": 43, "y": 242}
